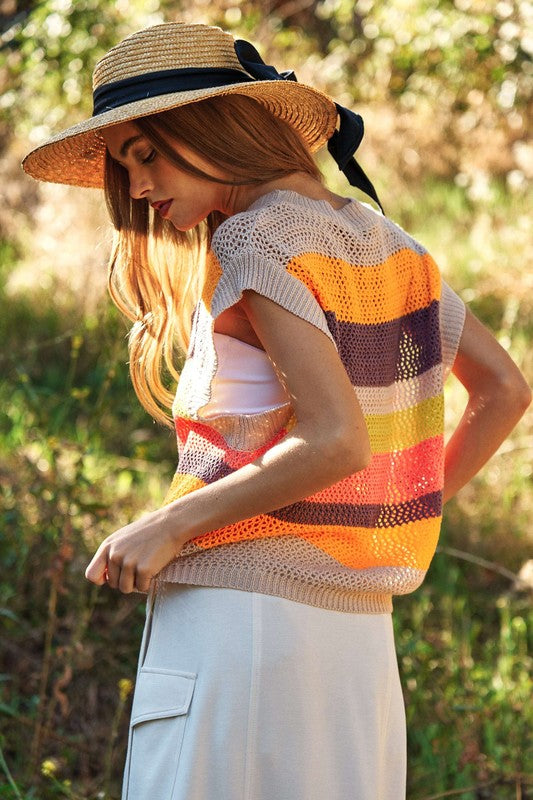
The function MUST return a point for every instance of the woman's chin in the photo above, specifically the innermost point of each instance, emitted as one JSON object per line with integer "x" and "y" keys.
{"x": 185, "y": 225}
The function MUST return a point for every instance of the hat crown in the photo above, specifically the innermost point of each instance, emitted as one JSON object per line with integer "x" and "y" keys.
{"x": 170, "y": 45}
{"x": 164, "y": 67}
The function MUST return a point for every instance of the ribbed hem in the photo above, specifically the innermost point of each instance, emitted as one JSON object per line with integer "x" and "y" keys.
{"x": 330, "y": 598}
{"x": 249, "y": 432}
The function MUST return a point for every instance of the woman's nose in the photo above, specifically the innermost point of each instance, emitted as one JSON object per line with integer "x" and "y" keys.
{"x": 140, "y": 184}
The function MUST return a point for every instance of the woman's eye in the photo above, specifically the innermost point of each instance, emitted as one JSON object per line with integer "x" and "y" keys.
{"x": 150, "y": 157}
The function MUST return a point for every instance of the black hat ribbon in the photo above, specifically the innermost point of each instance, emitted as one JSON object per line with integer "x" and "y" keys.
{"x": 342, "y": 144}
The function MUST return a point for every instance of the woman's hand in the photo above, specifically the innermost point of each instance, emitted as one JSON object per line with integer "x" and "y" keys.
{"x": 129, "y": 558}
{"x": 328, "y": 442}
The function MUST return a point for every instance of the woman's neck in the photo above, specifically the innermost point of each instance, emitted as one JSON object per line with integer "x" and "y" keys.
{"x": 240, "y": 198}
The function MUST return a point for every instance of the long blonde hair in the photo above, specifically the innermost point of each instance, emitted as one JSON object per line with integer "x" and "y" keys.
{"x": 155, "y": 271}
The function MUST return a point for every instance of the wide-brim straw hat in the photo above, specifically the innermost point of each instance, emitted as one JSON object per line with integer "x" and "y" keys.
{"x": 145, "y": 74}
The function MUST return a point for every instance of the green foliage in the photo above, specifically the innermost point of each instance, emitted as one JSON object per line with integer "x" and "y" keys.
{"x": 467, "y": 63}
{"x": 466, "y": 675}
{"x": 50, "y": 53}
{"x": 79, "y": 458}
{"x": 424, "y": 49}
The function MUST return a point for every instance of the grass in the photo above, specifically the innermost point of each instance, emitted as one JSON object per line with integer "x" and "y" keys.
{"x": 79, "y": 458}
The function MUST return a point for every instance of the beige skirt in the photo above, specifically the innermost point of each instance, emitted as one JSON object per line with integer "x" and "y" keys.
{"x": 244, "y": 696}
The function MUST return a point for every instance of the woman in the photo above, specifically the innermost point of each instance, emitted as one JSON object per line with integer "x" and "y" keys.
{"x": 309, "y": 416}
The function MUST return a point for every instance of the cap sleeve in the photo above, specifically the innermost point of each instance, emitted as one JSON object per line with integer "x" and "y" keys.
{"x": 452, "y": 318}
{"x": 250, "y": 257}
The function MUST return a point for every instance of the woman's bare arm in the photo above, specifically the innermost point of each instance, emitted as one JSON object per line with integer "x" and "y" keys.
{"x": 328, "y": 442}
{"x": 497, "y": 397}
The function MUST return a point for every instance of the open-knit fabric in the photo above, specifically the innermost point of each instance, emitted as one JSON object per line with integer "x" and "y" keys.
{"x": 378, "y": 295}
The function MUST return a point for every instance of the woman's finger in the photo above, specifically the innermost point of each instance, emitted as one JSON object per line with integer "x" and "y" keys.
{"x": 143, "y": 579}
{"x": 113, "y": 574}
{"x": 96, "y": 570}
{"x": 126, "y": 581}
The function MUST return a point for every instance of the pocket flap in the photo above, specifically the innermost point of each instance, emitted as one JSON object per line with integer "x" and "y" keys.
{"x": 161, "y": 693}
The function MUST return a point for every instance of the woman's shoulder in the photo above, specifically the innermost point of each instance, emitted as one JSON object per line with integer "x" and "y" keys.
{"x": 284, "y": 224}
{"x": 271, "y": 228}
{"x": 280, "y": 222}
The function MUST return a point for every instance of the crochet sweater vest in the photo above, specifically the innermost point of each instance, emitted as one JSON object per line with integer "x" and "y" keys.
{"x": 377, "y": 294}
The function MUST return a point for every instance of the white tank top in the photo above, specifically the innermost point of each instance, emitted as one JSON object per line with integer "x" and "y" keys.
{"x": 245, "y": 381}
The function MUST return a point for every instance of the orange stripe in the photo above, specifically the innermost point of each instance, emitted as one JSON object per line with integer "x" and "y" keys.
{"x": 410, "y": 545}
{"x": 404, "y": 283}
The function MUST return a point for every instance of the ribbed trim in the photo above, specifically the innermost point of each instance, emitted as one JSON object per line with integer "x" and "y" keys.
{"x": 452, "y": 320}
{"x": 279, "y": 586}
{"x": 269, "y": 280}
{"x": 250, "y": 431}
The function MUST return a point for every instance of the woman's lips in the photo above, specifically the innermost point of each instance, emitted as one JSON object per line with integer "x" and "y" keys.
{"x": 162, "y": 207}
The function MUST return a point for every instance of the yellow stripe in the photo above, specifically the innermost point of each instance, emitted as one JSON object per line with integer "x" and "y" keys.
{"x": 181, "y": 485}
{"x": 213, "y": 272}
{"x": 404, "y": 283}
{"x": 407, "y": 428}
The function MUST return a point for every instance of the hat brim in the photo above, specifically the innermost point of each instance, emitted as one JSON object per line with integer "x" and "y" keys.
{"x": 76, "y": 155}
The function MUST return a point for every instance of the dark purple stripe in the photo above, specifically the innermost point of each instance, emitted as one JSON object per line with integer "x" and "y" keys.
{"x": 364, "y": 516}
{"x": 207, "y": 469}
{"x": 378, "y": 355}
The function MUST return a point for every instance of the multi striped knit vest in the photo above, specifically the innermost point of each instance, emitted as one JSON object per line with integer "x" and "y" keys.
{"x": 378, "y": 295}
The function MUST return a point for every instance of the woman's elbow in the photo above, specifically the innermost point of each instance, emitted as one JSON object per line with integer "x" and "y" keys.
{"x": 517, "y": 392}
{"x": 510, "y": 386}
{"x": 348, "y": 451}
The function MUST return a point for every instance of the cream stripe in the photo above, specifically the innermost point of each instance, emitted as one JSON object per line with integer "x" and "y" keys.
{"x": 307, "y": 231}
{"x": 400, "y": 395}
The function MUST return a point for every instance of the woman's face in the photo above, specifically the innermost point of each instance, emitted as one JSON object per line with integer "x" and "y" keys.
{"x": 178, "y": 196}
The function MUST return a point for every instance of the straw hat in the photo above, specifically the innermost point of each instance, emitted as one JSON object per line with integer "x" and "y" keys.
{"x": 166, "y": 66}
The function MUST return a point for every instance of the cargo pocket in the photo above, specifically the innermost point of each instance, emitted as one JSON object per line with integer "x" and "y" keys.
{"x": 158, "y": 717}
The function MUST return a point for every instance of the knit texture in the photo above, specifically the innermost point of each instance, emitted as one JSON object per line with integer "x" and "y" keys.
{"x": 378, "y": 295}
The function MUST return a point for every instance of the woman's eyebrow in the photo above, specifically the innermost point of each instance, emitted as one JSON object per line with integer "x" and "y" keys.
{"x": 128, "y": 143}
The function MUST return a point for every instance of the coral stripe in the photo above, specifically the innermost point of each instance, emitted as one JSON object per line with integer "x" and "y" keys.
{"x": 412, "y": 473}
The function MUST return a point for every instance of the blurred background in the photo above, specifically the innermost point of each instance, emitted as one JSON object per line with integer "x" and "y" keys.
{"x": 444, "y": 87}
